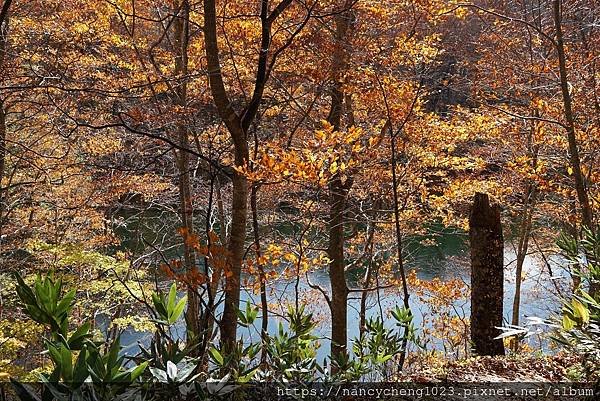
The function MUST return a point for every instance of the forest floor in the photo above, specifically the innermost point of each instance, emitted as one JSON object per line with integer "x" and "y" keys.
{"x": 554, "y": 368}
{"x": 530, "y": 377}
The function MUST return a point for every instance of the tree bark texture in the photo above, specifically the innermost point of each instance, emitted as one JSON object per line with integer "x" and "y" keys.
{"x": 338, "y": 192}
{"x": 487, "y": 276}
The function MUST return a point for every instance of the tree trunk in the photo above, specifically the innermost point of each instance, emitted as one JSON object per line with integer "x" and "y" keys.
{"x": 398, "y": 232}
{"x": 363, "y": 299}
{"x": 185, "y": 200}
{"x": 487, "y": 276}
{"x": 369, "y": 271}
{"x": 217, "y": 272}
{"x": 524, "y": 235}
{"x": 337, "y": 274}
{"x": 236, "y": 257}
{"x": 580, "y": 187}
{"x": 3, "y": 45}
{"x": 338, "y": 192}
{"x": 240, "y": 186}
{"x": 261, "y": 274}
{"x": 180, "y": 44}
{"x": 529, "y": 201}
{"x": 587, "y": 217}
{"x": 238, "y": 126}
{"x": 4, "y": 17}
{"x": 2, "y": 165}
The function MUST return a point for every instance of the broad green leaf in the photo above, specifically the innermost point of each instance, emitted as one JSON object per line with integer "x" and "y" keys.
{"x": 113, "y": 355}
{"x": 216, "y": 355}
{"x": 77, "y": 338}
{"x": 67, "y": 363}
{"x": 134, "y": 373}
{"x": 80, "y": 372}
{"x": 178, "y": 310}
{"x": 172, "y": 297}
{"x": 66, "y": 303}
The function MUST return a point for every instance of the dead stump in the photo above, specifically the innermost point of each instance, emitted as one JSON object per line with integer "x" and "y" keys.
{"x": 487, "y": 276}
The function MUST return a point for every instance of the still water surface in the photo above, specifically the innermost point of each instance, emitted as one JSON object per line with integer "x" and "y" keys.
{"x": 447, "y": 258}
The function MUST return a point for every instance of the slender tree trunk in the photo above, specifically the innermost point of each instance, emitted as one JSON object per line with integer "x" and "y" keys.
{"x": 363, "y": 299}
{"x": 338, "y": 193}
{"x": 529, "y": 201}
{"x": 524, "y": 235}
{"x": 2, "y": 166}
{"x": 580, "y": 186}
{"x": 261, "y": 273}
{"x": 487, "y": 276}
{"x": 236, "y": 253}
{"x": 587, "y": 217}
{"x": 3, "y": 44}
{"x": 180, "y": 43}
{"x": 524, "y": 231}
{"x": 238, "y": 126}
{"x": 398, "y": 233}
{"x": 217, "y": 272}
{"x": 368, "y": 273}
{"x": 215, "y": 277}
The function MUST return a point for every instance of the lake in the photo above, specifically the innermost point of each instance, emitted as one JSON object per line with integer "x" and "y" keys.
{"x": 444, "y": 256}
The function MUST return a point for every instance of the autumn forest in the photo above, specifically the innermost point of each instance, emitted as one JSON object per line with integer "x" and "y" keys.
{"x": 214, "y": 199}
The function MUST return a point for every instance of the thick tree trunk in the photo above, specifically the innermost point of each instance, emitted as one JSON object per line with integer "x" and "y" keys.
{"x": 236, "y": 256}
{"x": 239, "y": 199}
{"x": 4, "y": 15}
{"x": 487, "y": 276}
{"x": 337, "y": 274}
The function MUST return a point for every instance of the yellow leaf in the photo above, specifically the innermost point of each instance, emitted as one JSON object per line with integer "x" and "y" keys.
{"x": 581, "y": 311}
{"x": 567, "y": 323}
{"x": 333, "y": 167}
